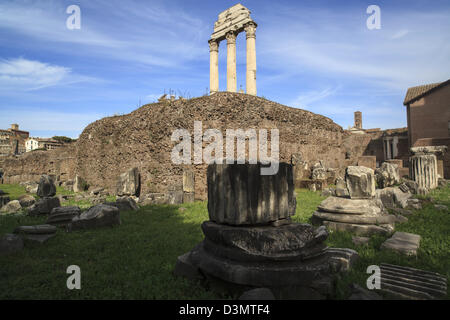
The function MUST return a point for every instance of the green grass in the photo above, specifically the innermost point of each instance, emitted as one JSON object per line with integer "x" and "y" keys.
{"x": 307, "y": 202}
{"x": 433, "y": 254}
{"x": 132, "y": 261}
{"x": 136, "y": 259}
{"x": 14, "y": 191}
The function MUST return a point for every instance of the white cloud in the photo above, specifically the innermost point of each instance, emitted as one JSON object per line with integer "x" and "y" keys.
{"x": 306, "y": 99}
{"x": 400, "y": 34}
{"x": 337, "y": 44}
{"x": 139, "y": 31}
{"x": 23, "y": 75}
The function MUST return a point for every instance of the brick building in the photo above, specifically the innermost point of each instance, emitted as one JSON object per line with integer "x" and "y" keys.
{"x": 41, "y": 143}
{"x": 382, "y": 144}
{"x": 12, "y": 140}
{"x": 428, "y": 112}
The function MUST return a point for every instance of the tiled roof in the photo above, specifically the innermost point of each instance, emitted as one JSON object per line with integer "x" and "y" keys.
{"x": 415, "y": 93}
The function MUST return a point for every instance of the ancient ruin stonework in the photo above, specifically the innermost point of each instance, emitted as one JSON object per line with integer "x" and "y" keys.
{"x": 58, "y": 163}
{"x": 229, "y": 24}
{"x": 142, "y": 139}
{"x": 244, "y": 194}
{"x": 423, "y": 170}
{"x": 249, "y": 249}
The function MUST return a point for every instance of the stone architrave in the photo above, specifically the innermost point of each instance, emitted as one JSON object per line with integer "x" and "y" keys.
{"x": 360, "y": 182}
{"x": 240, "y": 195}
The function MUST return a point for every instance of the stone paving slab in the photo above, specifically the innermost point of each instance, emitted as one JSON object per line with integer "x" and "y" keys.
{"x": 403, "y": 242}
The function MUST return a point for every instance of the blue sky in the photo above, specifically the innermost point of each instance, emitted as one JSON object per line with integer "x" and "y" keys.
{"x": 315, "y": 55}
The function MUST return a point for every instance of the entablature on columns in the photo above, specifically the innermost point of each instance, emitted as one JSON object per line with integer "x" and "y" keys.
{"x": 234, "y": 19}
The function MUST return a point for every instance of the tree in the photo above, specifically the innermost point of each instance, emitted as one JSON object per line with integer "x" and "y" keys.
{"x": 63, "y": 139}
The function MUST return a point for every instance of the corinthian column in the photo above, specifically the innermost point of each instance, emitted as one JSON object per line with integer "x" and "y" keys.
{"x": 231, "y": 61}
{"x": 213, "y": 66}
{"x": 250, "y": 30}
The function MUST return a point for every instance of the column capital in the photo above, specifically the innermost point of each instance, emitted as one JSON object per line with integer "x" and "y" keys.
{"x": 250, "y": 30}
{"x": 231, "y": 37}
{"x": 213, "y": 45}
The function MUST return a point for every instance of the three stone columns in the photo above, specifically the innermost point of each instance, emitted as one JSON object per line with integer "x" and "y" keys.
{"x": 250, "y": 29}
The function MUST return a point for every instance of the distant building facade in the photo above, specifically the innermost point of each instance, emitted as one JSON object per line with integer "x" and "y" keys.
{"x": 390, "y": 144}
{"x": 428, "y": 113}
{"x": 12, "y": 141}
{"x": 41, "y": 143}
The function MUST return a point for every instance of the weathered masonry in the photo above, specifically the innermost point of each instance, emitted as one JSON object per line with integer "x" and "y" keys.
{"x": 230, "y": 23}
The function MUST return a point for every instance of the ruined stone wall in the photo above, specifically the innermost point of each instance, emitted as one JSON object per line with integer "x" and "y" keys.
{"x": 31, "y": 165}
{"x": 142, "y": 138}
{"x": 371, "y": 144}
